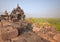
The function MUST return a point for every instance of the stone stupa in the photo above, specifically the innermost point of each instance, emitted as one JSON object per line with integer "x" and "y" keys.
{"x": 17, "y": 14}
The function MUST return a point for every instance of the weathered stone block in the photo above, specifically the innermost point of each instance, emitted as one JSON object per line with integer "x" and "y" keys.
{"x": 17, "y": 39}
{"x": 9, "y": 33}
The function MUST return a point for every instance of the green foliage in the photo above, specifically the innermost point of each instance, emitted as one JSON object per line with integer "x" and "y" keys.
{"x": 52, "y": 21}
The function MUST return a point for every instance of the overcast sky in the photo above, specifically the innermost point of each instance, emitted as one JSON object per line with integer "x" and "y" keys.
{"x": 33, "y": 8}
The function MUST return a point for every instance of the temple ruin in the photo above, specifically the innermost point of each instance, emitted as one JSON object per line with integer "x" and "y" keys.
{"x": 14, "y": 28}
{"x": 16, "y": 14}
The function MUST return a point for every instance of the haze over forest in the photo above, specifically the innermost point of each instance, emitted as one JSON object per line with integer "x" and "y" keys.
{"x": 33, "y": 8}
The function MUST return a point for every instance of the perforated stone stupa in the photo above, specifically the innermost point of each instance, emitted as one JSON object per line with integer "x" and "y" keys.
{"x": 17, "y": 14}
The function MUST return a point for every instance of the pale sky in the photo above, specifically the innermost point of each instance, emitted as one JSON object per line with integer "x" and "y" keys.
{"x": 33, "y": 8}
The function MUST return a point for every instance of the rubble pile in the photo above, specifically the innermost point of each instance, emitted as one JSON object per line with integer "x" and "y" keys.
{"x": 46, "y": 31}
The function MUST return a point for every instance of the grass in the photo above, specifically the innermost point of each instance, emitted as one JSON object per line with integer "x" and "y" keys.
{"x": 52, "y": 21}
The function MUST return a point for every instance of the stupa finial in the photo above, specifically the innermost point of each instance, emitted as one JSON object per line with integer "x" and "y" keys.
{"x": 17, "y": 5}
{"x": 6, "y": 13}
